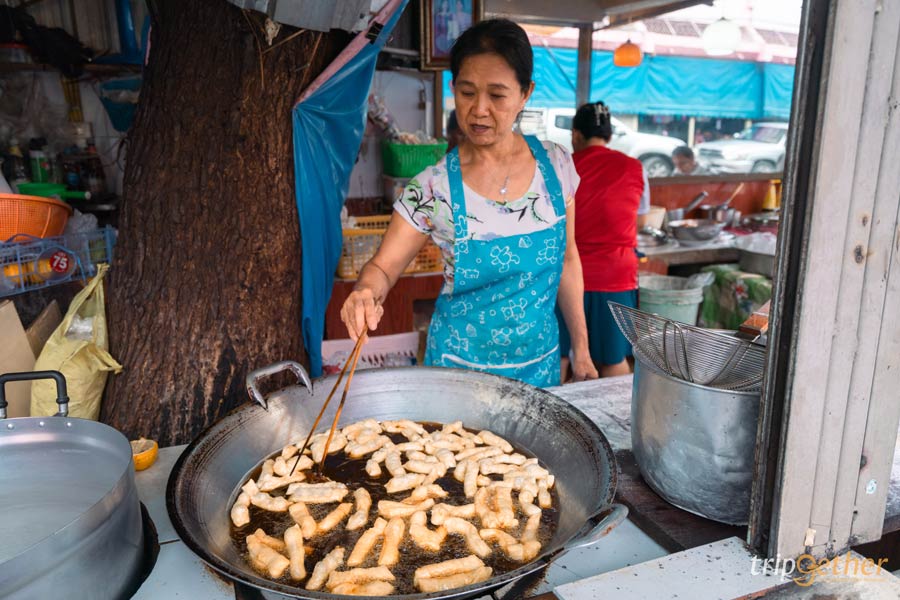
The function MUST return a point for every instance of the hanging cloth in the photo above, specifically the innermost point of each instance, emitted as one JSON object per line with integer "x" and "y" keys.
{"x": 329, "y": 121}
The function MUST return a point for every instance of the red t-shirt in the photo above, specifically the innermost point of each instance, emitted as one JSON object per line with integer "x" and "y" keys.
{"x": 606, "y": 206}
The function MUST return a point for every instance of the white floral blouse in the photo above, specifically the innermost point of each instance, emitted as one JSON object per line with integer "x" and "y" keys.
{"x": 425, "y": 204}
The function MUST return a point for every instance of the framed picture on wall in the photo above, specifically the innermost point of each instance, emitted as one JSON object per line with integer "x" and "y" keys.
{"x": 442, "y": 22}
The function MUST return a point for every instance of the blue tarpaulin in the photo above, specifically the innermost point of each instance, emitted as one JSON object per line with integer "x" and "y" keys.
{"x": 328, "y": 129}
{"x": 778, "y": 88}
{"x": 666, "y": 85}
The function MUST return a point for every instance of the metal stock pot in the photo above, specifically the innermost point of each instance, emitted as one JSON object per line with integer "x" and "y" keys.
{"x": 70, "y": 518}
{"x": 695, "y": 445}
{"x": 203, "y": 482}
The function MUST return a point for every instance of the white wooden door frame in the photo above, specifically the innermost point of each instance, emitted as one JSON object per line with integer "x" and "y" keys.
{"x": 831, "y": 403}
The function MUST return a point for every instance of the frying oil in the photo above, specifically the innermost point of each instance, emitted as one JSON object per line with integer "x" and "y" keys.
{"x": 340, "y": 467}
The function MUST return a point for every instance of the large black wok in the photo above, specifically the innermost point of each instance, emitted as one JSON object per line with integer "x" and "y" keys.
{"x": 205, "y": 479}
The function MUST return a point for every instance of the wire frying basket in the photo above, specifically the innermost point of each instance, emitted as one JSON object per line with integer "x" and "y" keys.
{"x": 694, "y": 354}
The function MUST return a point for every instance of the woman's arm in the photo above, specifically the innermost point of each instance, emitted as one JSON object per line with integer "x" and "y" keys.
{"x": 571, "y": 303}
{"x": 362, "y": 310}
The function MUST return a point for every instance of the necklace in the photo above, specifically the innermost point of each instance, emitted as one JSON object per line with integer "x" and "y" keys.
{"x": 505, "y": 187}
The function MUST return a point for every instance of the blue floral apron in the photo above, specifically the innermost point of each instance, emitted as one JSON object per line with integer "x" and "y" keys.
{"x": 500, "y": 316}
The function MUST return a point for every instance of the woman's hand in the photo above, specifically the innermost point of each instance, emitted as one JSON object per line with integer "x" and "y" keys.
{"x": 583, "y": 367}
{"x": 361, "y": 312}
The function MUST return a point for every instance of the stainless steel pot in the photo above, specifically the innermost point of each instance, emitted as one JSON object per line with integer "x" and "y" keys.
{"x": 677, "y": 214}
{"x": 695, "y": 230}
{"x": 70, "y": 517}
{"x": 695, "y": 444}
{"x": 203, "y": 482}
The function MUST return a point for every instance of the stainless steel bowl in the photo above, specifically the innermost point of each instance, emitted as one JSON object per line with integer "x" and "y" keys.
{"x": 695, "y": 230}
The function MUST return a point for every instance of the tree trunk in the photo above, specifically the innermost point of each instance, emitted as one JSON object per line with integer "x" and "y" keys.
{"x": 205, "y": 284}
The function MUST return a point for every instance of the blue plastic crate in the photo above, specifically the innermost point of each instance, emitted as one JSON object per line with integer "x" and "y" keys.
{"x": 28, "y": 263}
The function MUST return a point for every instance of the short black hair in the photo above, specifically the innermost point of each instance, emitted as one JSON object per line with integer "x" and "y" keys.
{"x": 683, "y": 151}
{"x": 592, "y": 120}
{"x": 496, "y": 36}
{"x": 452, "y": 122}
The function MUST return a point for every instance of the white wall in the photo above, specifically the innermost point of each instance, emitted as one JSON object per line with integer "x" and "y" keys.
{"x": 402, "y": 93}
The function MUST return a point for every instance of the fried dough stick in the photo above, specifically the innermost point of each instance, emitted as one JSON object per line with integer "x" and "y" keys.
{"x": 359, "y": 576}
{"x": 334, "y": 518}
{"x": 440, "y": 584}
{"x": 424, "y": 492}
{"x": 529, "y": 547}
{"x": 240, "y": 511}
{"x": 302, "y": 517}
{"x": 403, "y": 483}
{"x": 264, "y": 500}
{"x": 422, "y": 536}
{"x": 390, "y": 509}
{"x": 317, "y": 445}
{"x": 366, "y": 542}
{"x": 470, "y": 533}
{"x": 393, "y": 536}
{"x": 442, "y": 512}
{"x": 293, "y": 541}
{"x": 448, "y": 567}
{"x": 317, "y": 493}
{"x": 264, "y": 557}
{"x": 363, "y": 505}
{"x": 324, "y": 568}
{"x": 370, "y": 589}
{"x": 492, "y": 439}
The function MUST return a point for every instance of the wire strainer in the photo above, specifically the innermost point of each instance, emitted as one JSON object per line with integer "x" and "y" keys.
{"x": 694, "y": 354}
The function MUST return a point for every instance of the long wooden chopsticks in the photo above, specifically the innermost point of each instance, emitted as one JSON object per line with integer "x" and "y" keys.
{"x": 354, "y": 358}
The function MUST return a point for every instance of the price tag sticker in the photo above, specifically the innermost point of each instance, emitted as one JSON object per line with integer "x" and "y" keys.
{"x": 55, "y": 264}
{"x": 59, "y": 262}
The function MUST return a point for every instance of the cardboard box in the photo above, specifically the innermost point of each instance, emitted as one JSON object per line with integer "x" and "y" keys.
{"x": 16, "y": 355}
{"x": 44, "y": 325}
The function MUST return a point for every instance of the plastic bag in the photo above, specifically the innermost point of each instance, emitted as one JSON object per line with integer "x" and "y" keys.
{"x": 78, "y": 349}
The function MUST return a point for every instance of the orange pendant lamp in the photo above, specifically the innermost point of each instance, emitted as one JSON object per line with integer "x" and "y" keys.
{"x": 627, "y": 55}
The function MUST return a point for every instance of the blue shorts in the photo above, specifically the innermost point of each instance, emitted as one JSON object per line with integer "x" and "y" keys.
{"x": 606, "y": 343}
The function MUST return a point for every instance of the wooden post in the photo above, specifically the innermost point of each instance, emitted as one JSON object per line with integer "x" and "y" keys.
{"x": 829, "y": 424}
{"x": 585, "y": 50}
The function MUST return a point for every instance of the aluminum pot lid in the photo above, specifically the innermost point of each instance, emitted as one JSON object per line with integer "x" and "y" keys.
{"x": 54, "y": 470}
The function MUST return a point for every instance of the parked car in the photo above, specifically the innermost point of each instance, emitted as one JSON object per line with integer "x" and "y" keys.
{"x": 555, "y": 124}
{"x": 757, "y": 149}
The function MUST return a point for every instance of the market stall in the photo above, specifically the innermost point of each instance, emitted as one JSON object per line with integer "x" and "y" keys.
{"x": 263, "y": 163}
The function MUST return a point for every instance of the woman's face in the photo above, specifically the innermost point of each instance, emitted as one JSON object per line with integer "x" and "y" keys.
{"x": 488, "y": 98}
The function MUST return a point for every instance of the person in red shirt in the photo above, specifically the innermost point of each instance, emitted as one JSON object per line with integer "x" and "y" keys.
{"x": 612, "y": 193}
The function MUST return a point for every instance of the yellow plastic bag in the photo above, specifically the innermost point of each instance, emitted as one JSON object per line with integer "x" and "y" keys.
{"x": 78, "y": 349}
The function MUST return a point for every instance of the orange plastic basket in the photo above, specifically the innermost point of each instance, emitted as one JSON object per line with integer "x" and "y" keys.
{"x": 362, "y": 241}
{"x": 32, "y": 215}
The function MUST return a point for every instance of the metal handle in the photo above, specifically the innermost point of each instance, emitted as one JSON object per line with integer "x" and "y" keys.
{"x": 695, "y": 202}
{"x": 286, "y": 365}
{"x": 597, "y": 526}
{"x": 62, "y": 395}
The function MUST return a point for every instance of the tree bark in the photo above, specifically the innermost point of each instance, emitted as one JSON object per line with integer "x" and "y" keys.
{"x": 205, "y": 284}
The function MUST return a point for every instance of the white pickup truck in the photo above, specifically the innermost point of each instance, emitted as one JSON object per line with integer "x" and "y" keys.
{"x": 555, "y": 124}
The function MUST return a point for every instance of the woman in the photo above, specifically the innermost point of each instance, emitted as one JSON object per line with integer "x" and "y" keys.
{"x": 610, "y": 198}
{"x": 501, "y": 208}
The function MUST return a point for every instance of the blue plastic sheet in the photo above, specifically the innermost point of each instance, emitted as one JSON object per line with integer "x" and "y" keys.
{"x": 778, "y": 89}
{"x": 666, "y": 85}
{"x": 328, "y": 130}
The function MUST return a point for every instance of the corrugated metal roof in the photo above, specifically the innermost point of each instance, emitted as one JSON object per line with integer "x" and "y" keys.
{"x": 94, "y": 22}
{"x": 318, "y": 15}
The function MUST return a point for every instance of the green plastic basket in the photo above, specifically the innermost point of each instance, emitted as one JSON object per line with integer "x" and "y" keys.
{"x": 408, "y": 160}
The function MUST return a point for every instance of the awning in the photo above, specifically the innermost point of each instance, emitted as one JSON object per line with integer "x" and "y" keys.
{"x": 667, "y": 85}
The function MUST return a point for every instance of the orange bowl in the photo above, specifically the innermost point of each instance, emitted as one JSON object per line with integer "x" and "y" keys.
{"x": 32, "y": 215}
